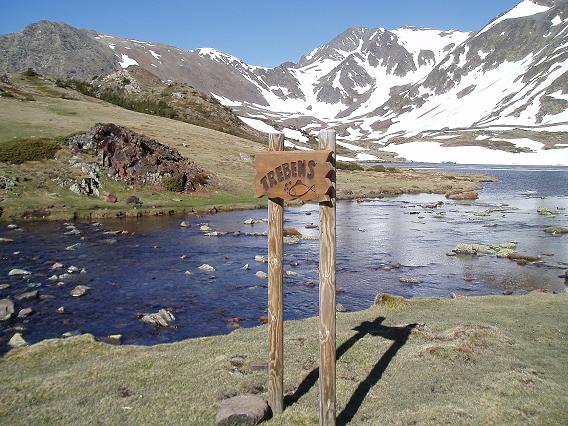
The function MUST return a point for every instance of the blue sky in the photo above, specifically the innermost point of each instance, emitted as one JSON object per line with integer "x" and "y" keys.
{"x": 261, "y": 32}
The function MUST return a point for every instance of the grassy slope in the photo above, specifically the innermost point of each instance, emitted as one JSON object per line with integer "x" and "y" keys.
{"x": 471, "y": 360}
{"x": 50, "y": 115}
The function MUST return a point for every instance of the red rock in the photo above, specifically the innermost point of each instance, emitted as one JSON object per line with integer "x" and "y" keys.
{"x": 263, "y": 319}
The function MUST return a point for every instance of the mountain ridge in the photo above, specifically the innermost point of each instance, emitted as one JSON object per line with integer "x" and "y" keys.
{"x": 382, "y": 87}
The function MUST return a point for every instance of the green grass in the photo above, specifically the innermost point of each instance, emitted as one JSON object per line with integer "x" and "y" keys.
{"x": 479, "y": 360}
{"x": 19, "y": 151}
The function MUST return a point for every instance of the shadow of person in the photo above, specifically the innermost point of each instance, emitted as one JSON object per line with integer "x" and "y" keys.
{"x": 373, "y": 328}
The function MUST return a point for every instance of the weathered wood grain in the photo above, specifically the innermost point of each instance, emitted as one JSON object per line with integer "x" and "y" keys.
{"x": 294, "y": 175}
{"x": 275, "y": 294}
{"x": 327, "y": 296}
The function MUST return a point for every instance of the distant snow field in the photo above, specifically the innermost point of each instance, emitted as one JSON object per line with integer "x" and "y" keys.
{"x": 432, "y": 152}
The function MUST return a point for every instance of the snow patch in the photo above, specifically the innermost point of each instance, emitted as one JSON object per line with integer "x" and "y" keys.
{"x": 433, "y": 152}
{"x": 154, "y": 54}
{"x": 126, "y": 61}
{"x": 112, "y": 46}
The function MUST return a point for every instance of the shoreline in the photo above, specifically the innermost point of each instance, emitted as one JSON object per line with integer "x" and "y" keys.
{"x": 463, "y": 353}
{"x": 352, "y": 185}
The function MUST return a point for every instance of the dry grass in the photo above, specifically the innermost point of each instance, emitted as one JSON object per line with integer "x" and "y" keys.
{"x": 479, "y": 360}
{"x": 58, "y": 112}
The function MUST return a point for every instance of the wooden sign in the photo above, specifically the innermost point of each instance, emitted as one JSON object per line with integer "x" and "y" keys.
{"x": 291, "y": 175}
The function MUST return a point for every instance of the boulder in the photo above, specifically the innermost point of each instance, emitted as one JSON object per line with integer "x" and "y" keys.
{"x": 6, "y": 240}
{"x": 80, "y": 290}
{"x": 107, "y": 197}
{"x": 132, "y": 199}
{"x": 340, "y": 308}
{"x": 162, "y": 318}
{"x": 57, "y": 265}
{"x": 291, "y": 273}
{"x": 137, "y": 159}
{"x": 261, "y": 259}
{"x": 184, "y": 224}
{"x": 262, "y": 275}
{"x": 17, "y": 341}
{"x": 242, "y": 410}
{"x": 6, "y": 309}
{"x": 246, "y": 267}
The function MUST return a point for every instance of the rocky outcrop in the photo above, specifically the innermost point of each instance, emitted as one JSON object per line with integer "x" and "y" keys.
{"x": 137, "y": 159}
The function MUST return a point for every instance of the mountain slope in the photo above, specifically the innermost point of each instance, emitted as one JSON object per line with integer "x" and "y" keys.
{"x": 381, "y": 89}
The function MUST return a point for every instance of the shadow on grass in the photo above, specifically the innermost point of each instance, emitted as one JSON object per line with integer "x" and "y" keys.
{"x": 399, "y": 336}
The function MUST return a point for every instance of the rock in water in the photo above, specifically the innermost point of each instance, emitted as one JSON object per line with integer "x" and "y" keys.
{"x": 409, "y": 280}
{"x": 207, "y": 268}
{"x": 162, "y": 318}
{"x": 262, "y": 275}
{"x": 6, "y": 309}
{"x": 184, "y": 224}
{"x": 24, "y": 313}
{"x": 29, "y": 295}
{"x": 260, "y": 259}
{"x": 242, "y": 410}
{"x": 6, "y": 240}
{"x": 246, "y": 267}
{"x": 17, "y": 341}
{"x": 19, "y": 272}
{"x": 80, "y": 290}
{"x": 556, "y": 230}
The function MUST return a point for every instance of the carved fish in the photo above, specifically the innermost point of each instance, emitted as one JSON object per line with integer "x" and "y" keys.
{"x": 299, "y": 189}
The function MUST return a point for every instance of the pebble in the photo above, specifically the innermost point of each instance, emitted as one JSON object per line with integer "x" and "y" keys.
{"x": 409, "y": 280}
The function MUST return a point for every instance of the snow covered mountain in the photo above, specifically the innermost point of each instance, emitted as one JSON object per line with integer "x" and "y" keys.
{"x": 496, "y": 95}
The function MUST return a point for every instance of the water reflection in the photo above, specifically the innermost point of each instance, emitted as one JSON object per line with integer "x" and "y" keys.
{"x": 379, "y": 241}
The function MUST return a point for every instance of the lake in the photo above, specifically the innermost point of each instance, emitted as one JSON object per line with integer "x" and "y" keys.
{"x": 378, "y": 242}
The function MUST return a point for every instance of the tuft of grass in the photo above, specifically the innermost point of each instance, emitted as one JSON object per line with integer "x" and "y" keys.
{"x": 20, "y": 151}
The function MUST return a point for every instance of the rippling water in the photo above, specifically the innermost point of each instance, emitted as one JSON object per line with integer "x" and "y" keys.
{"x": 144, "y": 271}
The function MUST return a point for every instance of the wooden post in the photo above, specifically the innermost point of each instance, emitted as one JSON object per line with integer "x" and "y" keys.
{"x": 275, "y": 293}
{"x": 327, "y": 295}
